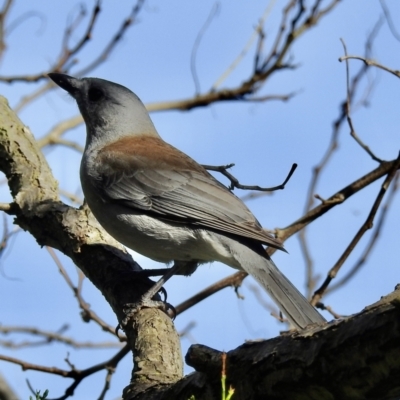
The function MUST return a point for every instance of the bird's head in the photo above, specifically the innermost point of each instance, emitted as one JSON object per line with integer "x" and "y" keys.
{"x": 111, "y": 111}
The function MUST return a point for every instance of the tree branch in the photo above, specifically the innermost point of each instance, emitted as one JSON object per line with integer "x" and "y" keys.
{"x": 79, "y": 236}
{"x": 354, "y": 358}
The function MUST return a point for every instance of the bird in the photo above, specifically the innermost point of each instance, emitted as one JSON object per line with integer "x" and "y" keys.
{"x": 159, "y": 202}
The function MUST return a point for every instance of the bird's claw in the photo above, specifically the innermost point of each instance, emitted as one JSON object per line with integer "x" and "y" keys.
{"x": 130, "y": 309}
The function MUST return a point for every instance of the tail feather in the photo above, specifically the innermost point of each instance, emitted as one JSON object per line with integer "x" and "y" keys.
{"x": 290, "y": 301}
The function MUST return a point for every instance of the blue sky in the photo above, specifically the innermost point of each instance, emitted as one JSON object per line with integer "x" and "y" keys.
{"x": 262, "y": 139}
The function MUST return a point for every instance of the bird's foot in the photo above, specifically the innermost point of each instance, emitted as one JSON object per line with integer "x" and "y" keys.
{"x": 130, "y": 309}
{"x": 147, "y": 301}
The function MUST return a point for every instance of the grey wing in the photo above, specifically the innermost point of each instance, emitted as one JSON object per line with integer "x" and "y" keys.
{"x": 194, "y": 197}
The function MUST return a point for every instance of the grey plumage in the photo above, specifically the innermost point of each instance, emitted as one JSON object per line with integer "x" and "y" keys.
{"x": 159, "y": 202}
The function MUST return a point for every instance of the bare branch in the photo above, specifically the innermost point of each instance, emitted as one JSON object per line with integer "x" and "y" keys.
{"x": 65, "y": 61}
{"x": 54, "y": 136}
{"x": 72, "y": 197}
{"x": 273, "y": 63}
{"x": 35, "y": 367}
{"x": 338, "y": 198}
{"x": 284, "y": 233}
{"x": 258, "y": 32}
{"x": 372, "y": 63}
{"x": 348, "y": 102}
{"x": 367, "y": 225}
{"x": 234, "y": 280}
{"x": 25, "y": 100}
{"x": 107, "y": 382}
{"x": 76, "y": 375}
{"x": 389, "y": 20}
{"x": 211, "y": 16}
{"x": 373, "y": 240}
{"x": 103, "y": 56}
{"x": 352, "y": 87}
{"x": 334, "y": 314}
{"x": 66, "y": 53}
{"x": 3, "y": 15}
{"x": 87, "y": 313}
{"x": 235, "y": 183}
{"x": 49, "y": 337}
{"x": 5, "y": 207}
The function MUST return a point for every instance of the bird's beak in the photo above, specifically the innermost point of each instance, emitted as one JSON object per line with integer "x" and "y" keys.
{"x": 70, "y": 84}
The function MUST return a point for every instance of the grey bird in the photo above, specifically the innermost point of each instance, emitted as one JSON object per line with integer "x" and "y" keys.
{"x": 161, "y": 203}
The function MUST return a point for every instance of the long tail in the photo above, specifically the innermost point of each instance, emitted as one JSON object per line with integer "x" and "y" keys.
{"x": 289, "y": 300}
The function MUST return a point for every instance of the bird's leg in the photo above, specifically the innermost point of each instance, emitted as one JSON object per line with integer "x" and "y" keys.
{"x": 147, "y": 299}
{"x": 186, "y": 269}
{"x": 152, "y": 272}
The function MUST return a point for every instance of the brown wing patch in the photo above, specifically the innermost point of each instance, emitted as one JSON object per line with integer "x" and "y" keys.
{"x": 147, "y": 152}
{"x": 149, "y": 174}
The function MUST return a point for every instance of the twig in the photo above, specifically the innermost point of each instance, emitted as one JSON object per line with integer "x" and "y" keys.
{"x": 5, "y": 207}
{"x": 114, "y": 40}
{"x": 367, "y": 225}
{"x": 372, "y": 63}
{"x": 6, "y": 236}
{"x": 301, "y": 11}
{"x": 213, "y": 13}
{"x": 76, "y": 375}
{"x": 70, "y": 196}
{"x": 232, "y": 280}
{"x": 373, "y": 240}
{"x": 53, "y": 137}
{"x": 49, "y": 337}
{"x": 244, "y": 92}
{"x": 351, "y": 92}
{"x": 274, "y": 52}
{"x": 102, "y": 57}
{"x": 273, "y": 63}
{"x": 253, "y": 195}
{"x": 109, "y": 364}
{"x": 25, "y": 100}
{"x": 65, "y": 61}
{"x": 389, "y": 20}
{"x": 66, "y": 53}
{"x": 35, "y": 367}
{"x": 348, "y": 110}
{"x": 271, "y": 308}
{"x": 338, "y": 198}
{"x": 281, "y": 97}
{"x": 107, "y": 382}
{"x": 187, "y": 332}
{"x": 3, "y": 15}
{"x": 330, "y": 310}
{"x": 235, "y": 183}
{"x": 87, "y": 313}
{"x": 345, "y": 193}
{"x": 282, "y": 44}
{"x": 258, "y": 32}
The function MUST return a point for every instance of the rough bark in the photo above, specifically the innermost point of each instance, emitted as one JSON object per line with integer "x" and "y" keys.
{"x": 6, "y": 393}
{"x": 355, "y": 358}
{"x": 76, "y": 233}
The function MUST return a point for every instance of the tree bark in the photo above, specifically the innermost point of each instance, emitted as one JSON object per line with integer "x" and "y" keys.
{"x": 354, "y": 358}
{"x": 76, "y": 233}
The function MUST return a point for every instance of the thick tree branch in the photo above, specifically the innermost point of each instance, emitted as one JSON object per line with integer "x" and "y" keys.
{"x": 354, "y": 358}
{"x": 77, "y": 234}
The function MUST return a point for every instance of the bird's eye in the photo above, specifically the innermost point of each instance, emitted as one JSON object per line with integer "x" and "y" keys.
{"x": 95, "y": 94}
